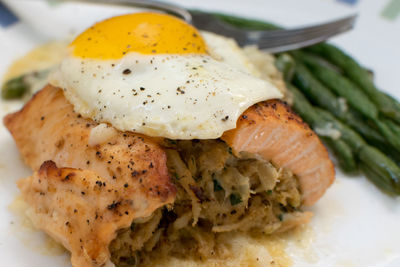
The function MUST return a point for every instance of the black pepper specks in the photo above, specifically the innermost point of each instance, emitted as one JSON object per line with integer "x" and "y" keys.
{"x": 114, "y": 205}
{"x": 126, "y": 71}
{"x": 180, "y": 91}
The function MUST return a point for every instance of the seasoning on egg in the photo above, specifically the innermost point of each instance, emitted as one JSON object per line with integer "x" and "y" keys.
{"x": 178, "y": 90}
{"x": 127, "y": 71}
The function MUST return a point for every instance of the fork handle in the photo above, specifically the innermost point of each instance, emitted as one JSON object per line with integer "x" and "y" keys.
{"x": 156, "y": 5}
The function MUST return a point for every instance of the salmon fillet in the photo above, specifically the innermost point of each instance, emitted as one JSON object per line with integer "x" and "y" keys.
{"x": 79, "y": 209}
{"x": 47, "y": 128}
{"x": 272, "y": 130}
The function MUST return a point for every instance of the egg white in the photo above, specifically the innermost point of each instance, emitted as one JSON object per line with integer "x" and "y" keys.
{"x": 228, "y": 51}
{"x": 172, "y": 96}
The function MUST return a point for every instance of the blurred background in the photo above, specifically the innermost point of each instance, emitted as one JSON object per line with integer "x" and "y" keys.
{"x": 374, "y": 41}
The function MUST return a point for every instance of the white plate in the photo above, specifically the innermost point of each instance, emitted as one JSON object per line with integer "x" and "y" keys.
{"x": 354, "y": 223}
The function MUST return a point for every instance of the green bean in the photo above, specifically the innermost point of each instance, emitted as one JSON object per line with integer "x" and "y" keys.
{"x": 388, "y": 150}
{"x": 346, "y": 89}
{"x": 340, "y": 85}
{"x": 304, "y": 108}
{"x": 324, "y": 98}
{"x": 391, "y": 137}
{"x": 358, "y": 123}
{"x": 360, "y": 76}
{"x": 314, "y": 90}
{"x": 343, "y": 154}
{"x": 382, "y": 166}
{"x": 24, "y": 84}
{"x": 14, "y": 88}
{"x": 354, "y": 120}
{"x": 351, "y": 137}
{"x": 393, "y": 126}
{"x": 285, "y": 64}
{"x": 381, "y": 170}
{"x": 379, "y": 166}
{"x": 375, "y": 178}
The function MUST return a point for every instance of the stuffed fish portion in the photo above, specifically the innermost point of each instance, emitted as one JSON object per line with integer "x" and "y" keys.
{"x": 110, "y": 178}
{"x": 141, "y": 150}
{"x": 255, "y": 178}
{"x": 47, "y": 128}
{"x": 272, "y": 130}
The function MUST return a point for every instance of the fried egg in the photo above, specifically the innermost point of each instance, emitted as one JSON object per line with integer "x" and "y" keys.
{"x": 155, "y": 74}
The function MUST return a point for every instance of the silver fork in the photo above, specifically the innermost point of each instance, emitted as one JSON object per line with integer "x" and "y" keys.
{"x": 273, "y": 41}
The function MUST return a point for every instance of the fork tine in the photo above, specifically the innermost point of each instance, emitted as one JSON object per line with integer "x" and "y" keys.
{"x": 306, "y": 36}
{"x": 283, "y": 33}
{"x": 331, "y": 24}
{"x": 273, "y": 40}
{"x": 300, "y": 36}
{"x": 302, "y": 41}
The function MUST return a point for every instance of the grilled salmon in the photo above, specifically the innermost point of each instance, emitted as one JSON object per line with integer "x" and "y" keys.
{"x": 80, "y": 209}
{"x": 272, "y": 130}
{"x": 47, "y": 128}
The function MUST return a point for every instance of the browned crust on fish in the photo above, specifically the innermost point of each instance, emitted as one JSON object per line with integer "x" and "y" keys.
{"x": 80, "y": 209}
{"x": 273, "y": 130}
{"x": 47, "y": 128}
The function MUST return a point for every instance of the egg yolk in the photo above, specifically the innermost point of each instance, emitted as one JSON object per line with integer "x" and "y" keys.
{"x": 145, "y": 33}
